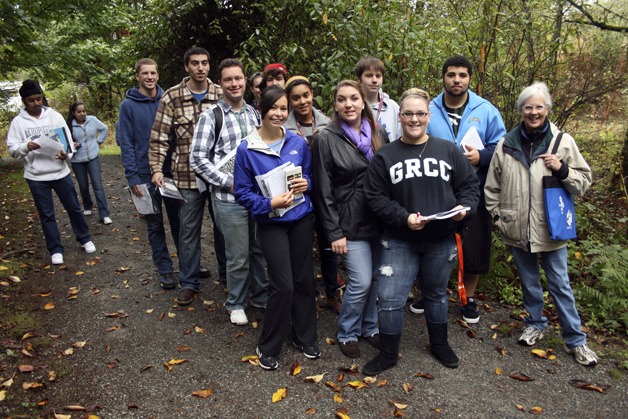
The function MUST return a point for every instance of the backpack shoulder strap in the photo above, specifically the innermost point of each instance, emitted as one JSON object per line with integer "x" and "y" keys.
{"x": 218, "y": 118}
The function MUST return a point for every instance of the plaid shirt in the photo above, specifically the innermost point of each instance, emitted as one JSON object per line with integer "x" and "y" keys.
{"x": 235, "y": 127}
{"x": 174, "y": 125}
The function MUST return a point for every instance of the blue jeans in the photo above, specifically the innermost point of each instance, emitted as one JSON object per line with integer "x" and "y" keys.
{"x": 42, "y": 195}
{"x": 92, "y": 169}
{"x": 245, "y": 262}
{"x": 157, "y": 232}
{"x": 190, "y": 223}
{"x": 555, "y": 267}
{"x": 358, "y": 315}
{"x": 401, "y": 262}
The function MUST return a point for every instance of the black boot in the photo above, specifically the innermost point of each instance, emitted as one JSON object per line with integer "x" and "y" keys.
{"x": 387, "y": 357}
{"x": 440, "y": 346}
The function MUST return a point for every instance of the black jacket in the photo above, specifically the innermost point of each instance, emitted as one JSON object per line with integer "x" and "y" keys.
{"x": 339, "y": 170}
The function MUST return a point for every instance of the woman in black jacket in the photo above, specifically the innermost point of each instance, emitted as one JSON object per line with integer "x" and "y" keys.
{"x": 342, "y": 152}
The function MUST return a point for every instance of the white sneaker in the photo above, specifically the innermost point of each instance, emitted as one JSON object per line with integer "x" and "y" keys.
{"x": 238, "y": 317}
{"x": 583, "y": 355}
{"x": 57, "y": 258}
{"x": 89, "y": 247}
{"x": 530, "y": 336}
{"x": 87, "y": 212}
{"x": 107, "y": 220}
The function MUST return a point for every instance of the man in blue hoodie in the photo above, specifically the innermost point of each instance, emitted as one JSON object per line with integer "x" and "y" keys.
{"x": 135, "y": 120}
{"x": 453, "y": 113}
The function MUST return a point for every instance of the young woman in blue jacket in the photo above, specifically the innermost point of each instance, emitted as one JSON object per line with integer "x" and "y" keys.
{"x": 286, "y": 240}
{"x": 88, "y": 133}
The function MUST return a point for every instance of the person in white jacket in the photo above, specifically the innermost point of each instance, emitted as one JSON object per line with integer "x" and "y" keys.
{"x": 30, "y": 139}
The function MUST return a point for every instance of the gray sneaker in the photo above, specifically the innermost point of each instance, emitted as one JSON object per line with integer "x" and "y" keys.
{"x": 583, "y": 355}
{"x": 530, "y": 336}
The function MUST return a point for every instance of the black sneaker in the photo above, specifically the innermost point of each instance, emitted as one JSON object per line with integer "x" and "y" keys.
{"x": 418, "y": 307}
{"x": 267, "y": 362}
{"x": 310, "y": 351}
{"x": 167, "y": 281}
{"x": 470, "y": 312}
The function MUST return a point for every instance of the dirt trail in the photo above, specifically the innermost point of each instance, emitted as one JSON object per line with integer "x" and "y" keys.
{"x": 120, "y": 372}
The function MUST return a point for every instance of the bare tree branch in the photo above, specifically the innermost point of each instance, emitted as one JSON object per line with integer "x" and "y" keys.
{"x": 593, "y": 21}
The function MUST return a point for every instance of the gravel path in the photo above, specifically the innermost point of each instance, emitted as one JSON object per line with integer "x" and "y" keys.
{"x": 130, "y": 328}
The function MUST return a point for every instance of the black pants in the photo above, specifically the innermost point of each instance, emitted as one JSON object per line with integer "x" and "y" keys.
{"x": 287, "y": 248}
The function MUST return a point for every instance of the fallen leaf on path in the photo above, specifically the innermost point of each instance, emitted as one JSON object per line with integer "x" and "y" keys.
{"x": 146, "y": 368}
{"x": 177, "y": 361}
{"x": 73, "y": 293}
{"x": 49, "y": 306}
{"x": 353, "y": 369}
{"x": 79, "y": 273}
{"x": 382, "y": 383}
{"x": 341, "y": 377}
{"x": 111, "y": 328}
{"x": 172, "y": 315}
{"x": 342, "y": 413}
{"x": 35, "y": 384}
{"x": 122, "y": 269}
{"x": 183, "y": 348}
{"x": 463, "y": 323}
{"x": 397, "y": 413}
{"x": 588, "y": 386}
{"x": 424, "y": 375}
{"x": 407, "y": 387}
{"x": 8, "y": 383}
{"x": 279, "y": 394}
{"x": 60, "y": 416}
{"x": 501, "y": 350}
{"x": 314, "y": 378}
{"x": 93, "y": 262}
{"x": 203, "y": 394}
{"x": 370, "y": 380}
{"x": 536, "y": 410}
{"x": 521, "y": 377}
{"x": 42, "y": 403}
{"x": 498, "y": 371}
{"x": 68, "y": 351}
{"x": 44, "y": 294}
{"x": 150, "y": 310}
{"x": 28, "y": 335}
{"x": 120, "y": 314}
{"x": 3, "y": 395}
{"x": 338, "y": 398}
{"x": 330, "y": 341}
{"x": 95, "y": 291}
{"x": 74, "y": 408}
{"x": 540, "y": 353}
{"x": 399, "y": 405}
{"x": 26, "y": 353}
{"x": 15, "y": 279}
{"x": 52, "y": 376}
{"x": 357, "y": 384}
{"x": 334, "y": 386}
{"x": 520, "y": 407}
{"x": 310, "y": 411}
{"x": 199, "y": 329}
{"x": 25, "y": 368}
{"x": 80, "y": 344}
{"x": 295, "y": 369}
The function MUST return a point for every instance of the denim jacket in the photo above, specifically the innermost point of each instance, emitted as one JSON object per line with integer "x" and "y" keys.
{"x": 88, "y": 137}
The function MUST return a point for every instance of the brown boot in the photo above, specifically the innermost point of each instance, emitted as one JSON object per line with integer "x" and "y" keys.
{"x": 335, "y": 302}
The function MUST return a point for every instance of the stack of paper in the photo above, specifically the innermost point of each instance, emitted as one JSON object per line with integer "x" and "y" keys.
{"x": 275, "y": 182}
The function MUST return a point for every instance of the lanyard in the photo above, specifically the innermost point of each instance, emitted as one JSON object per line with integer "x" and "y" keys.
{"x": 379, "y": 108}
{"x": 302, "y": 134}
{"x": 243, "y": 130}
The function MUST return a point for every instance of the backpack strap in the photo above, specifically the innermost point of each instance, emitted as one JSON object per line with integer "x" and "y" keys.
{"x": 218, "y": 118}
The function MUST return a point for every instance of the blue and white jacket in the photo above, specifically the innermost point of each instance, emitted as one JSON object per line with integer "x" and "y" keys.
{"x": 88, "y": 137}
{"x": 254, "y": 157}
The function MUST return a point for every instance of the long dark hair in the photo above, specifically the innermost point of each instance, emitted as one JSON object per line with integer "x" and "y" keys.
{"x": 70, "y": 117}
{"x": 376, "y": 141}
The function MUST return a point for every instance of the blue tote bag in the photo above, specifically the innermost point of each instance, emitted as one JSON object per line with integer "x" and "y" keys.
{"x": 560, "y": 211}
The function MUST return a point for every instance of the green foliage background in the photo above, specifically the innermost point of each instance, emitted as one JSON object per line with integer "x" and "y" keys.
{"x": 85, "y": 50}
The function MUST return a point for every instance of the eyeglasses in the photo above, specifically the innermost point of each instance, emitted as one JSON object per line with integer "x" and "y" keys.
{"x": 530, "y": 108}
{"x": 419, "y": 115}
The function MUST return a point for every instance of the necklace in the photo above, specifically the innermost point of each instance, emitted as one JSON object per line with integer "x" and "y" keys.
{"x": 411, "y": 147}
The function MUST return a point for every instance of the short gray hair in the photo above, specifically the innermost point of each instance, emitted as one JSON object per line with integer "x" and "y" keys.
{"x": 536, "y": 88}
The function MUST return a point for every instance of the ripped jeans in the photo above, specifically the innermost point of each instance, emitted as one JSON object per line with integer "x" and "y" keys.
{"x": 401, "y": 262}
